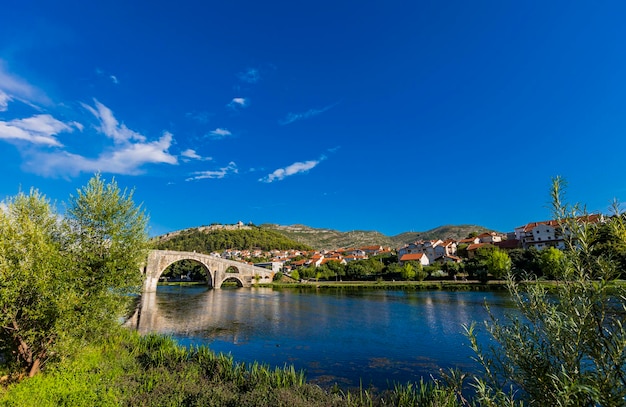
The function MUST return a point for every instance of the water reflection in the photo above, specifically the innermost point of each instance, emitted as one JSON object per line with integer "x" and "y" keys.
{"x": 336, "y": 336}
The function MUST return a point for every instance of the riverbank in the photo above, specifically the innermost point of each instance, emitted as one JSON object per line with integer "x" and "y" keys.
{"x": 130, "y": 370}
{"x": 468, "y": 285}
{"x": 394, "y": 285}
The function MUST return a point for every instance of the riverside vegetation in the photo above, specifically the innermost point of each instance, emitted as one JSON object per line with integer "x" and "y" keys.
{"x": 58, "y": 284}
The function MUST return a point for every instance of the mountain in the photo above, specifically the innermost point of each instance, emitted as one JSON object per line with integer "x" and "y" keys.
{"x": 332, "y": 239}
{"x": 206, "y": 239}
{"x": 456, "y": 232}
{"x": 329, "y": 239}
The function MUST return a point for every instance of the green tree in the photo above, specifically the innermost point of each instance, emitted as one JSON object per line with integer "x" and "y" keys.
{"x": 107, "y": 241}
{"x": 32, "y": 279}
{"x": 525, "y": 263}
{"x": 461, "y": 250}
{"x": 551, "y": 261}
{"x": 64, "y": 281}
{"x": 420, "y": 271}
{"x": 568, "y": 346}
{"x": 497, "y": 262}
{"x": 295, "y": 275}
{"x": 408, "y": 271}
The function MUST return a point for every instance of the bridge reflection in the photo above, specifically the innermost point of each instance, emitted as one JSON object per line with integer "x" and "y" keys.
{"x": 230, "y": 315}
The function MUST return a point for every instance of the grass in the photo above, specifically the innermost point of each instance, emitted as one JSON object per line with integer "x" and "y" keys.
{"x": 131, "y": 370}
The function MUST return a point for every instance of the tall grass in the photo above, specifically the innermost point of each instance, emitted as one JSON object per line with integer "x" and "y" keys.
{"x": 153, "y": 370}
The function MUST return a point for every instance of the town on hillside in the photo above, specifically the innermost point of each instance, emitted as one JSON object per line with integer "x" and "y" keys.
{"x": 427, "y": 253}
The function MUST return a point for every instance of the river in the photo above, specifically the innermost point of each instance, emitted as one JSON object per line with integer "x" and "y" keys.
{"x": 349, "y": 337}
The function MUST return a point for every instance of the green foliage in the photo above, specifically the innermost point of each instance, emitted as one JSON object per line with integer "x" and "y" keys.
{"x": 461, "y": 250}
{"x": 525, "y": 263}
{"x": 568, "y": 347}
{"x": 33, "y": 279}
{"x": 186, "y": 268}
{"x": 130, "y": 370}
{"x": 610, "y": 241}
{"x": 551, "y": 261}
{"x": 65, "y": 281}
{"x": 498, "y": 263}
{"x": 218, "y": 240}
{"x": 408, "y": 271}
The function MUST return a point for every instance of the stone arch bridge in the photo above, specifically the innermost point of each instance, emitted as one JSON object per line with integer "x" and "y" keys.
{"x": 218, "y": 269}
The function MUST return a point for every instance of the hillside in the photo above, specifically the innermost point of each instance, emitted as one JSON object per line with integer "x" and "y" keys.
{"x": 329, "y": 239}
{"x": 207, "y": 240}
{"x": 270, "y": 236}
{"x": 333, "y": 239}
{"x": 442, "y": 232}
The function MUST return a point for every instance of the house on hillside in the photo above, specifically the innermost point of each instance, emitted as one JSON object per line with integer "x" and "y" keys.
{"x": 489, "y": 237}
{"x": 350, "y": 258}
{"x": 469, "y": 240}
{"x": 446, "y": 248}
{"x": 547, "y": 233}
{"x": 374, "y": 250}
{"x": 540, "y": 235}
{"x": 418, "y": 257}
{"x": 428, "y": 248}
{"x": 448, "y": 259}
{"x": 508, "y": 244}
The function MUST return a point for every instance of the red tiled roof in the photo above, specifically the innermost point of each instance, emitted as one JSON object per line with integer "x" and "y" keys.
{"x": 413, "y": 256}
{"x": 477, "y": 246}
{"x": 467, "y": 240}
{"x": 593, "y": 218}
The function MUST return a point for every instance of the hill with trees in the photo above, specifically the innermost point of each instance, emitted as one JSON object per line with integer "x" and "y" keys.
{"x": 207, "y": 240}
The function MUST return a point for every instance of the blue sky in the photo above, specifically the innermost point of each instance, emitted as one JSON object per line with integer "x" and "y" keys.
{"x": 391, "y": 116}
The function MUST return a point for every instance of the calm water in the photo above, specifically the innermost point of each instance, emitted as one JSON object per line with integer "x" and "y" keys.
{"x": 346, "y": 337}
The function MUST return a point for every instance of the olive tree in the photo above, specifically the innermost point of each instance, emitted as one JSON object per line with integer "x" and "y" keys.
{"x": 107, "y": 241}
{"x": 567, "y": 345}
{"x": 65, "y": 280}
{"x": 33, "y": 273}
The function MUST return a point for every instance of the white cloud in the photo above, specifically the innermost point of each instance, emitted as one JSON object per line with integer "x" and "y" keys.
{"x": 220, "y": 133}
{"x": 238, "y": 102}
{"x": 127, "y": 159}
{"x": 292, "y": 117}
{"x": 114, "y": 79}
{"x": 216, "y": 174}
{"x": 127, "y": 154}
{"x": 109, "y": 125}
{"x": 191, "y": 154}
{"x": 39, "y": 129}
{"x": 4, "y": 101}
{"x": 295, "y": 168}
{"x": 18, "y": 88}
{"x": 250, "y": 75}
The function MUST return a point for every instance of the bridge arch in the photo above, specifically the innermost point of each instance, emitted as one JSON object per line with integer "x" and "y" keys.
{"x": 207, "y": 274}
{"x": 218, "y": 269}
